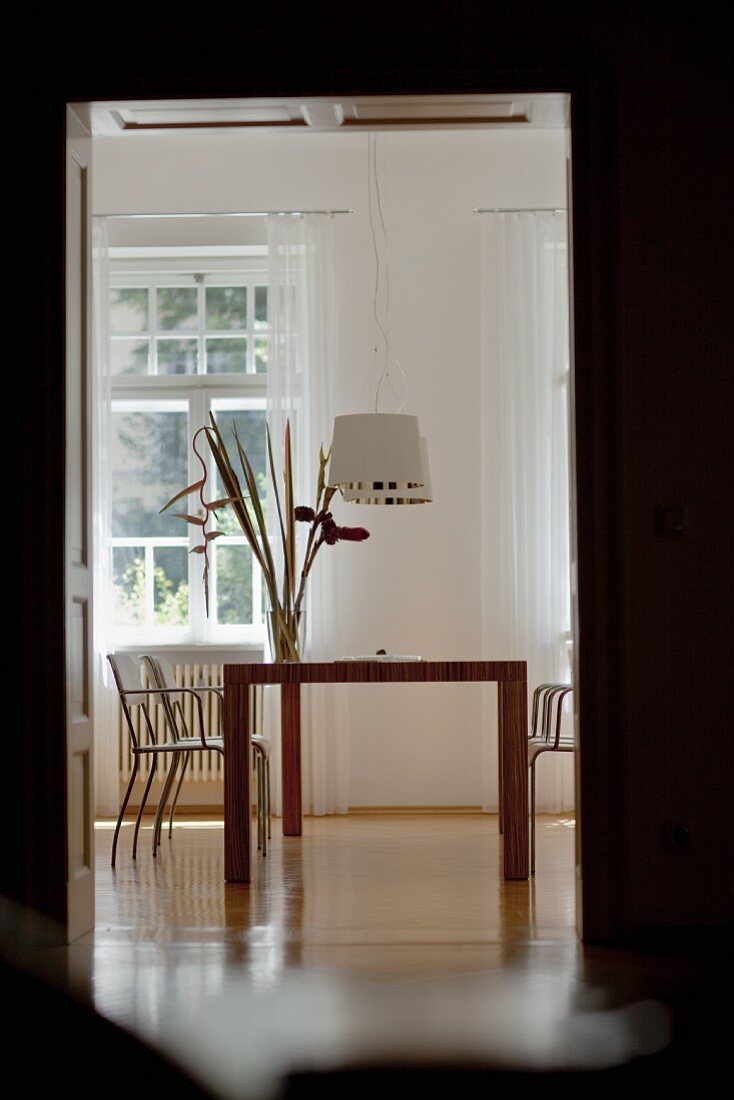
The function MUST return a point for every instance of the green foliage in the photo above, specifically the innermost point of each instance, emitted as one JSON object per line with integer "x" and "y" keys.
{"x": 129, "y": 593}
{"x": 226, "y": 307}
{"x": 150, "y": 457}
{"x": 177, "y": 307}
{"x": 234, "y": 587}
{"x": 171, "y": 596}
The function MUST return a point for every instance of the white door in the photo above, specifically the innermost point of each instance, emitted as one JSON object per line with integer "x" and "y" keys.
{"x": 78, "y": 549}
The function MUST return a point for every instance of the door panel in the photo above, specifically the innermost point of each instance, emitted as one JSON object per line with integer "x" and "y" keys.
{"x": 78, "y": 573}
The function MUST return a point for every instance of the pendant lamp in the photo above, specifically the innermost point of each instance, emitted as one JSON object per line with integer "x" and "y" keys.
{"x": 380, "y": 457}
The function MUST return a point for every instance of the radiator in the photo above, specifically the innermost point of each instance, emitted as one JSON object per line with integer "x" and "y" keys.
{"x": 204, "y": 767}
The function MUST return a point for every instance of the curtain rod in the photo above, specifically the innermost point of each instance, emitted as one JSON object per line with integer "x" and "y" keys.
{"x": 520, "y": 210}
{"x": 228, "y": 214}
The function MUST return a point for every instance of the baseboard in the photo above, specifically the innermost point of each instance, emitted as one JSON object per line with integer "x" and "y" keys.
{"x": 354, "y": 811}
{"x": 216, "y": 811}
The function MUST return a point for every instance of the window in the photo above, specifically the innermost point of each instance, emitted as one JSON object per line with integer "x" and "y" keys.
{"x": 173, "y": 323}
{"x": 184, "y": 343}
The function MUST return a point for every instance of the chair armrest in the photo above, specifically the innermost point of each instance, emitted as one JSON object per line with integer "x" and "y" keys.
{"x": 216, "y": 690}
{"x": 175, "y": 691}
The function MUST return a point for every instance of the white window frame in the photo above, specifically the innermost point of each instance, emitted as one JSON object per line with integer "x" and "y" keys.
{"x": 174, "y": 267}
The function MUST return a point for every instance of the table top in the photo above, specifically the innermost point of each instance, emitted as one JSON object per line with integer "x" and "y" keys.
{"x": 377, "y": 672}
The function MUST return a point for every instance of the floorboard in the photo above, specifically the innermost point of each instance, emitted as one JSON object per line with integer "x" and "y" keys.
{"x": 372, "y": 939}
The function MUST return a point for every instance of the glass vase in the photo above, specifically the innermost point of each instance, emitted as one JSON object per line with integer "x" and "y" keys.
{"x": 287, "y": 636}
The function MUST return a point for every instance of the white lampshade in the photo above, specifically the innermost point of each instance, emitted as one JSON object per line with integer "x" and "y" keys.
{"x": 377, "y": 453}
{"x": 421, "y": 494}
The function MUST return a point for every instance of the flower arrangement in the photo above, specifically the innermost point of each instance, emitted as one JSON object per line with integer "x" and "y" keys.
{"x": 286, "y": 594}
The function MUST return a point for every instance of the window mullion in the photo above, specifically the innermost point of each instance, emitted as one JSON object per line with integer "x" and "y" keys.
{"x": 153, "y": 328}
{"x": 197, "y": 610}
{"x": 250, "y": 364}
{"x": 200, "y": 283}
{"x": 149, "y": 589}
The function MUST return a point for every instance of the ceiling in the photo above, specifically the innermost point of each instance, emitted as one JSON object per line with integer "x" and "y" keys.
{"x": 323, "y": 114}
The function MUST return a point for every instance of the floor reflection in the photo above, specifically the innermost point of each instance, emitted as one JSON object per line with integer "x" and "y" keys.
{"x": 367, "y": 938}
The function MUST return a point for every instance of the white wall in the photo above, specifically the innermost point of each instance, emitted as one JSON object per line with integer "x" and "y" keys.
{"x": 414, "y": 587}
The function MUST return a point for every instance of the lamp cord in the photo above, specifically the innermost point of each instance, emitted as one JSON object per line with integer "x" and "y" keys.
{"x": 385, "y": 376}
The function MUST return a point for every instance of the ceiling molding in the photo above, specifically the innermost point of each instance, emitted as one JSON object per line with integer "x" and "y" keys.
{"x": 333, "y": 114}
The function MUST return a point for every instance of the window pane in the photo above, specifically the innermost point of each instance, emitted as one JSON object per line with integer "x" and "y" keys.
{"x": 226, "y": 307}
{"x": 177, "y": 356}
{"x": 150, "y": 454}
{"x": 171, "y": 585}
{"x": 128, "y": 356}
{"x": 261, "y": 307}
{"x": 234, "y": 585}
{"x": 177, "y": 307}
{"x": 226, "y": 355}
{"x": 250, "y": 426}
{"x": 129, "y": 309}
{"x": 261, "y": 354}
{"x": 128, "y": 583}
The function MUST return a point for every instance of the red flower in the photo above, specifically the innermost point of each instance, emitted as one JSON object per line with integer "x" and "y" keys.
{"x": 332, "y": 534}
{"x": 352, "y": 534}
{"x": 329, "y": 532}
{"x": 304, "y": 514}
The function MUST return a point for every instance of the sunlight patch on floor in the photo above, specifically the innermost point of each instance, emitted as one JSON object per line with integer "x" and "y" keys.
{"x": 199, "y": 823}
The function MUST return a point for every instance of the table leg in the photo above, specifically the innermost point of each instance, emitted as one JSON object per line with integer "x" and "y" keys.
{"x": 290, "y": 754}
{"x": 513, "y": 732}
{"x": 500, "y": 784}
{"x": 236, "y": 723}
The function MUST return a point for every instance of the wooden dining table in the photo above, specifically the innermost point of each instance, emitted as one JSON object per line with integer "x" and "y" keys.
{"x": 512, "y": 709}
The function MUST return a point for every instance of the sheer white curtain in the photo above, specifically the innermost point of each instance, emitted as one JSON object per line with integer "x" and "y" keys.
{"x": 525, "y": 519}
{"x": 301, "y": 372}
{"x": 105, "y": 698}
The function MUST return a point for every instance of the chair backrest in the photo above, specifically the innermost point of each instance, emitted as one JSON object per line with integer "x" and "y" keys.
{"x": 548, "y": 705}
{"x": 161, "y": 675}
{"x": 127, "y": 678}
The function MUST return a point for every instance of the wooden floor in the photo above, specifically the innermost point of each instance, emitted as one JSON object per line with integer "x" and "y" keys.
{"x": 368, "y": 937}
{"x": 364, "y": 893}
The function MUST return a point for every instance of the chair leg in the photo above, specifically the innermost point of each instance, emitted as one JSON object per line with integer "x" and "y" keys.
{"x": 161, "y": 807}
{"x": 263, "y": 806}
{"x": 256, "y": 762}
{"x": 532, "y": 816}
{"x": 143, "y": 800}
{"x": 259, "y": 775}
{"x": 184, "y": 766}
{"x": 267, "y": 796}
{"x": 123, "y": 807}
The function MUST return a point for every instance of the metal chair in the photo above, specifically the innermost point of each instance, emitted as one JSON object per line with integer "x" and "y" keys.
{"x": 160, "y": 672}
{"x": 545, "y": 736}
{"x": 133, "y": 694}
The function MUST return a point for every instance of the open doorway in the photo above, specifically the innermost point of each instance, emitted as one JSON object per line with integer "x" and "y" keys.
{"x": 436, "y": 177}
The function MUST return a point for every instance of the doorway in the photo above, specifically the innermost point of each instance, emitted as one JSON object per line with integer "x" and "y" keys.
{"x": 141, "y": 123}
